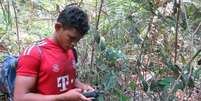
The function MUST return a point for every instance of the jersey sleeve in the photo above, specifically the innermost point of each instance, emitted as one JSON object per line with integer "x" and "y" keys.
{"x": 29, "y": 62}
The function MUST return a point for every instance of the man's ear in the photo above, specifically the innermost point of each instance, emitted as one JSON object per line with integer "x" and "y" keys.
{"x": 58, "y": 26}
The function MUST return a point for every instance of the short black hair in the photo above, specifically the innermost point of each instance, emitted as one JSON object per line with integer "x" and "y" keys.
{"x": 74, "y": 17}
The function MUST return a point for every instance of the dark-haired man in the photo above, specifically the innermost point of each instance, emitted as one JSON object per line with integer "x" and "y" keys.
{"x": 46, "y": 71}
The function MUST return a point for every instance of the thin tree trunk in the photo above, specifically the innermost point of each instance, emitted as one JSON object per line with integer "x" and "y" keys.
{"x": 177, "y": 28}
{"x": 97, "y": 23}
{"x": 17, "y": 27}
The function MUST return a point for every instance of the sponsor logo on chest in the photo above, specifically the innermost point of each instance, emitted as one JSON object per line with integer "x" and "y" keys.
{"x": 55, "y": 68}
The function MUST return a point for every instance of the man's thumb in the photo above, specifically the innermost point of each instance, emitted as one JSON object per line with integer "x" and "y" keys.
{"x": 78, "y": 90}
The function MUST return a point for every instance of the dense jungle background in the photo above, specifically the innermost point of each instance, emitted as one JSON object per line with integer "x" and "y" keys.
{"x": 136, "y": 50}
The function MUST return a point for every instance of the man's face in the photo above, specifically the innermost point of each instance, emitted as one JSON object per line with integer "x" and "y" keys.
{"x": 68, "y": 38}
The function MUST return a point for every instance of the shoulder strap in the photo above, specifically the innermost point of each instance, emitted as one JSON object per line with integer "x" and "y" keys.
{"x": 75, "y": 54}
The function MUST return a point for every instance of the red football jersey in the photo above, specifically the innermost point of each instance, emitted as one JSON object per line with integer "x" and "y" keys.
{"x": 54, "y": 68}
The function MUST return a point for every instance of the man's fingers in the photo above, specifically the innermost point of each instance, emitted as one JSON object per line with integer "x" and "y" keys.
{"x": 91, "y": 98}
{"x": 86, "y": 99}
{"x": 89, "y": 88}
{"x": 78, "y": 90}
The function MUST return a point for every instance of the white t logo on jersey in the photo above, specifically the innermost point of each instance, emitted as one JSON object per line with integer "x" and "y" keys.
{"x": 62, "y": 82}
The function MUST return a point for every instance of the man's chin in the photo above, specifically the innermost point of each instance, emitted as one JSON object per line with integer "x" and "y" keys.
{"x": 66, "y": 48}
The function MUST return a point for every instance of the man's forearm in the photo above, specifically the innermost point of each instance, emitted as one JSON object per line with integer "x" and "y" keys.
{"x": 38, "y": 97}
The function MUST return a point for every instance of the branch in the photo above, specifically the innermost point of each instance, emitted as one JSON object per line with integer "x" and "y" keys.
{"x": 176, "y": 39}
{"x": 177, "y": 28}
{"x": 196, "y": 54}
{"x": 191, "y": 67}
{"x": 31, "y": 15}
{"x": 179, "y": 77}
{"x": 97, "y": 23}
{"x": 99, "y": 13}
{"x": 196, "y": 30}
{"x": 79, "y": 4}
{"x": 42, "y": 19}
{"x": 17, "y": 27}
{"x": 3, "y": 9}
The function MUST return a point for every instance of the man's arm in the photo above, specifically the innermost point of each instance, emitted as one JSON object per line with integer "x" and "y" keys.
{"x": 25, "y": 85}
{"x": 79, "y": 84}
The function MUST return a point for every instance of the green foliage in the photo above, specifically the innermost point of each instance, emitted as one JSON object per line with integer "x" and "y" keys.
{"x": 121, "y": 96}
{"x": 112, "y": 55}
{"x": 133, "y": 38}
{"x": 133, "y": 85}
{"x": 161, "y": 85}
{"x": 110, "y": 81}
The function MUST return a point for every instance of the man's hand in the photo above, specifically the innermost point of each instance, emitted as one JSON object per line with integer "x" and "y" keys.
{"x": 75, "y": 95}
{"x": 93, "y": 94}
{"x": 88, "y": 88}
{"x": 83, "y": 86}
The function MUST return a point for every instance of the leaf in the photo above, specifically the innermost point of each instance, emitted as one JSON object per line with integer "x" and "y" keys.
{"x": 101, "y": 98}
{"x": 121, "y": 96}
{"x": 184, "y": 78}
{"x": 174, "y": 68}
{"x": 133, "y": 85}
{"x": 137, "y": 39}
{"x": 179, "y": 85}
{"x": 124, "y": 98}
{"x": 144, "y": 83}
{"x": 97, "y": 37}
{"x": 102, "y": 44}
{"x": 138, "y": 1}
{"x": 165, "y": 83}
{"x": 191, "y": 82}
{"x": 192, "y": 10}
{"x": 161, "y": 85}
{"x": 183, "y": 60}
{"x": 148, "y": 6}
{"x": 197, "y": 73}
{"x": 183, "y": 21}
{"x": 110, "y": 81}
{"x": 155, "y": 86}
{"x": 112, "y": 55}
{"x": 199, "y": 62}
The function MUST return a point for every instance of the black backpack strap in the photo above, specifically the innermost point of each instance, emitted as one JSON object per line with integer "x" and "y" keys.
{"x": 75, "y": 54}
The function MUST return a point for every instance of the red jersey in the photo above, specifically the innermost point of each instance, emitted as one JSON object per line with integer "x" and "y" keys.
{"x": 54, "y": 68}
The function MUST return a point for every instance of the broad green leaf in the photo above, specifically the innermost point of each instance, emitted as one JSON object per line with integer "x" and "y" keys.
{"x": 197, "y": 73}
{"x": 133, "y": 85}
{"x": 165, "y": 83}
{"x": 124, "y": 98}
{"x": 110, "y": 80}
{"x": 144, "y": 84}
{"x": 121, "y": 96}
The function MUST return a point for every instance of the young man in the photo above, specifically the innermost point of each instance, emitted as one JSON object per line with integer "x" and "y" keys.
{"x": 46, "y": 72}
